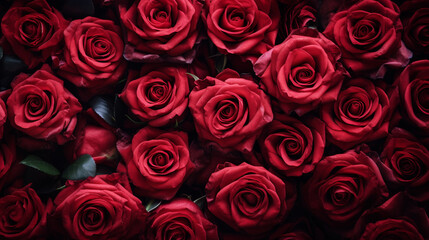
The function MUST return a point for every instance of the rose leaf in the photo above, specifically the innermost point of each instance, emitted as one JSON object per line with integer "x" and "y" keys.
{"x": 82, "y": 168}
{"x": 36, "y": 162}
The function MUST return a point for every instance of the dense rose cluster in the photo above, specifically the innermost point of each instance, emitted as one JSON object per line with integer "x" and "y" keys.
{"x": 215, "y": 119}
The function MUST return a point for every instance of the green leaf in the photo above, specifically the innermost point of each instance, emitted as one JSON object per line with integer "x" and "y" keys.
{"x": 221, "y": 63}
{"x": 1, "y": 52}
{"x": 82, "y": 168}
{"x": 103, "y": 106}
{"x": 193, "y": 76}
{"x": 152, "y": 205}
{"x": 37, "y": 163}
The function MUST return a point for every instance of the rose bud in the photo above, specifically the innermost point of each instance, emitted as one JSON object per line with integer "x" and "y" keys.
{"x": 179, "y": 219}
{"x": 34, "y": 30}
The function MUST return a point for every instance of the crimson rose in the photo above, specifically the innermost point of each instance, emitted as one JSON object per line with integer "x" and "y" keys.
{"x": 229, "y": 110}
{"x": 369, "y": 36}
{"x": 159, "y": 95}
{"x": 415, "y": 17}
{"x": 157, "y": 161}
{"x": 242, "y": 27}
{"x": 101, "y": 207}
{"x": 3, "y": 116}
{"x": 92, "y": 58}
{"x": 160, "y": 27}
{"x": 22, "y": 215}
{"x": 413, "y": 86}
{"x": 41, "y": 107}
{"x": 179, "y": 219}
{"x": 342, "y": 187}
{"x": 301, "y": 72}
{"x": 34, "y": 30}
{"x": 248, "y": 198}
{"x": 292, "y": 147}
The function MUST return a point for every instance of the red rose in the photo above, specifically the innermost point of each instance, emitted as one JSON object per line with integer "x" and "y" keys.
{"x": 242, "y": 27}
{"x": 98, "y": 208}
{"x": 157, "y": 161}
{"x": 248, "y": 198}
{"x": 92, "y": 57}
{"x": 292, "y": 147}
{"x": 41, "y": 107}
{"x": 413, "y": 86}
{"x": 397, "y": 218}
{"x": 342, "y": 187}
{"x": 298, "y": 15}
{"x": 229, "y": 110}
{"x": 22, "y": 215}
{"x": 34, "y": 30}
{"x": 363, "y": 112}
{"x": 369, "y": 36}
{"x": 7, "y": 160}
{"x": 409, "y": 162}
{"x": 159, "y": 95}
{"x": 301, "y": 72}
{"x": 87, "y": 141}
{"x": 156, "y": 28}
{"x": 415, "y": 17}
{"x": 179, "y": 219}
{"x": 3, "y": 116}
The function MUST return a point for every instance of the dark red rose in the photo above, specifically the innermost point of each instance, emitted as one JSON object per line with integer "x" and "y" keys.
{"x": 92, "y": 57}
{"x": 413, "y": 86}
{"x": 342, "y": 187}
{"x": 7, "y": 160}
{"x": 246, "y": 28}
{"x": 363, "y": 112}
{"x": 94, "y": 140}
{"x": 292, "y": 147}
{"x": 3, "y": 116}
{"x": 101, "y": 207}
{"x": 415, "y": 18}
{"x": 158, "y": 95}
{"x": 229, "y": 110}
{"x": 179, "y": 219}
{"x": 302, "y": 72}
{"x": 34, "y": 30}
{"x": 248, "y": 198}
{"x": 22, "y": 215}
{"x": 157, "y": 28}
{"x": 369, "y": 36}
{"x": 408, "y": 160}
{"x": 41, "y": 107}
{"x": 157, "y": 161}
{"x": 398, "y": 218}
{"x": 298, "y": 14}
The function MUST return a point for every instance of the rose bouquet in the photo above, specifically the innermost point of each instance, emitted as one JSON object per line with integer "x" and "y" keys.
{"x": 215, "y": 119}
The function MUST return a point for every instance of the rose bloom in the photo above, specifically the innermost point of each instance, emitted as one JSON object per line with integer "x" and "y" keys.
{"x": 298, "y": 14}
{"x": 415, "y": 17}
{"x": 100, "y": 207}
{"x": 413, "y": 86}
{"x": 92, "y": 57}
{"x": 342, "y": 187}
{"x": 229, "y": 110}
{"x": 41, "y": 107}
{"x": 409, "y": 162}
{"x": 248, "y": 198}
{"x": 363, "y": 112}
{"x": 242, "y": 27}
{"x": 369, "y": 36}
{"x": 398, "y": 218}
{"x": 292, "y": 147}
{"x": 34, "y": 30}
{"x": 158, "y": 95}
{"x": 22, "y": 215}
{"x": 157, "y": 161}
{"x": 302, "y": 72}
{"x": 7, "y": 160}
{"x": 179, "y": 219}
{"x": 160, "y": 29}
